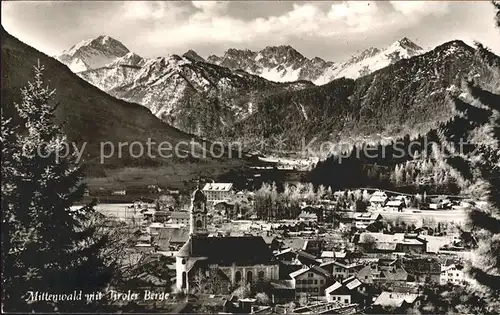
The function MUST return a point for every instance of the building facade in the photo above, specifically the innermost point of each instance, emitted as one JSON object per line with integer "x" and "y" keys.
{"x": 180, "y": 217}
{"x": 453, "y": 273}
{"x": 340, "y": 271}
{"x": 231, "y": 261}
{"x": 218, "y": 192}
{"x": 310, "y": 281}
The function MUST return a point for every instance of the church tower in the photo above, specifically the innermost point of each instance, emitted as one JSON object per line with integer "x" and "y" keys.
{"x": 198, "y": 213}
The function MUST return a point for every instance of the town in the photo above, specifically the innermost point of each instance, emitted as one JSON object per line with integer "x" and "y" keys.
{"x": 302, "y": 250}
{"x": 243, "y": 157}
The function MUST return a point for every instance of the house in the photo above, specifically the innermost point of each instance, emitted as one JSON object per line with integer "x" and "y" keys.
{"x": 287, "y": 267}
{"x": 294, "y": 242}
{"x": 339, "y": 270}
{"x": 310, "y": 280}
{"x": 293, "y": 256}
{"x": 155, "y": 227}
{"x": 308, "y": 216}
{"x": 282, "y": 291}
{"x": 398, "y": 303}
{"x": 153, "y": 215}
{"x": 225, "y": 207}
{"x": 144, "y": 248}
{"x": 378, "y": 199}
{"x": 395, "y": 205}
{"x": 327, "y": 255}
{"x": 405, "y": 199}
{"x": 144, "y": 238}
{"x": 388, "y": 243}
{"x": 363, "y": 220}
{"x": 217, "y": 192}
{"x": 180, "y": 217}
{"x": 242, "y": 197}
{"x": 423, "y": 270}
{"x": 228, "y": 260}
{"x": 169, "y": 238}
{"x": 383, "y": 270}
{"x": 424, "y": 230}
{"x": 453, "y": 272}
{"x": 287, "y": 254}
{"x": 307, "y": 259}
{"x": 234, "y": 305}
{"x": 348, "y": 291}
{"x": 434, "y": 206}
{"x": 360, "y": 220}
{"x": 314, "y": 247}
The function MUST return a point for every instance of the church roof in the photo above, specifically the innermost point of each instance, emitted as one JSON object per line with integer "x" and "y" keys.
{"x": 246, "y": 250}
{"x": 198, "y": 195}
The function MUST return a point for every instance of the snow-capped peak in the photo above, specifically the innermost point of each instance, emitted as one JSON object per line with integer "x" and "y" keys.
{"x": 367, "y": 53}
{"x": 405, "y": 47}
{"x": 104, "y": 39}
{"x": 406, "y": 43}
{"x": 93, "y": 53}
{"x": 130, "y": 59}
{"x": 284, "y": 63}
{"x": 374, "y": 59}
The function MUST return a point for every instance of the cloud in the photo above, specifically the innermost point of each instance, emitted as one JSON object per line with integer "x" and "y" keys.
{"x": 328, "y": 29}
{"x": 359, "y": 15}
{"x": 150, "y": 10}
{"x": 209, "y": 9}
{"x": 212, "y": 23}
{"x": 419, "y": 8}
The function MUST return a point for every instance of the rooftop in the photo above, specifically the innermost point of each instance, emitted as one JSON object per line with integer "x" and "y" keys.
{"x": 179, "y": 215}
{"x": 337, "y": 263}
{"x": 283, "y": 284}
{"x": 346, "y": 285}
{"x": 401, "y": 238}
{"x": 395, "y": 299}
{"x": 228, "y": 250}
{"x": 218, "y": 187}
{"x": 315, "y": 269}
{"x": 366, "y": 216}
{"x": 394, "y": 203}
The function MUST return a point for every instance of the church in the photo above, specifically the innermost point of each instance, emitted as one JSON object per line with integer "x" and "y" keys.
{"x": 218, "y": 264}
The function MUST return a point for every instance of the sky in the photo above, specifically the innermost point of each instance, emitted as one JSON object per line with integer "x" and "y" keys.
{"x": 332, "y": 30}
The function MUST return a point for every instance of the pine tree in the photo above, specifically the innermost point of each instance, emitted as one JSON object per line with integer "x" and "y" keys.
{"x": 477, "y": 167}
{"x": 47, "y": 246}
{"x": 7, "y": 138}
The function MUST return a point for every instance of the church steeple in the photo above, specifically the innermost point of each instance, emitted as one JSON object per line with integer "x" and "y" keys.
{"x": 198, "y": 213}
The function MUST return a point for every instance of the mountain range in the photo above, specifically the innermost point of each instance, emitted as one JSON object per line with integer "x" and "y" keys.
{"x": 285, "y": 64}
{"x": 93, "y": 117}
{"x": 275, "y": 92}
{"x": 274, "y": 63}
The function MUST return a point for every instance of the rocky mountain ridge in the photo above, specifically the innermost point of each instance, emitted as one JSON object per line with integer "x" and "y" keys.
{"x": 92, "y": 117}
{"x": 284, "y": 63}
{"x": 93, "y": 53}
{"x": 405, "y": 94}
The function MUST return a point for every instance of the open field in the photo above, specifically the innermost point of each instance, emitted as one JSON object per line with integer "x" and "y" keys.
{"x": 117, "y": 210}
{"x": 175, "y": 176}
{"x": 417, "y": 218}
